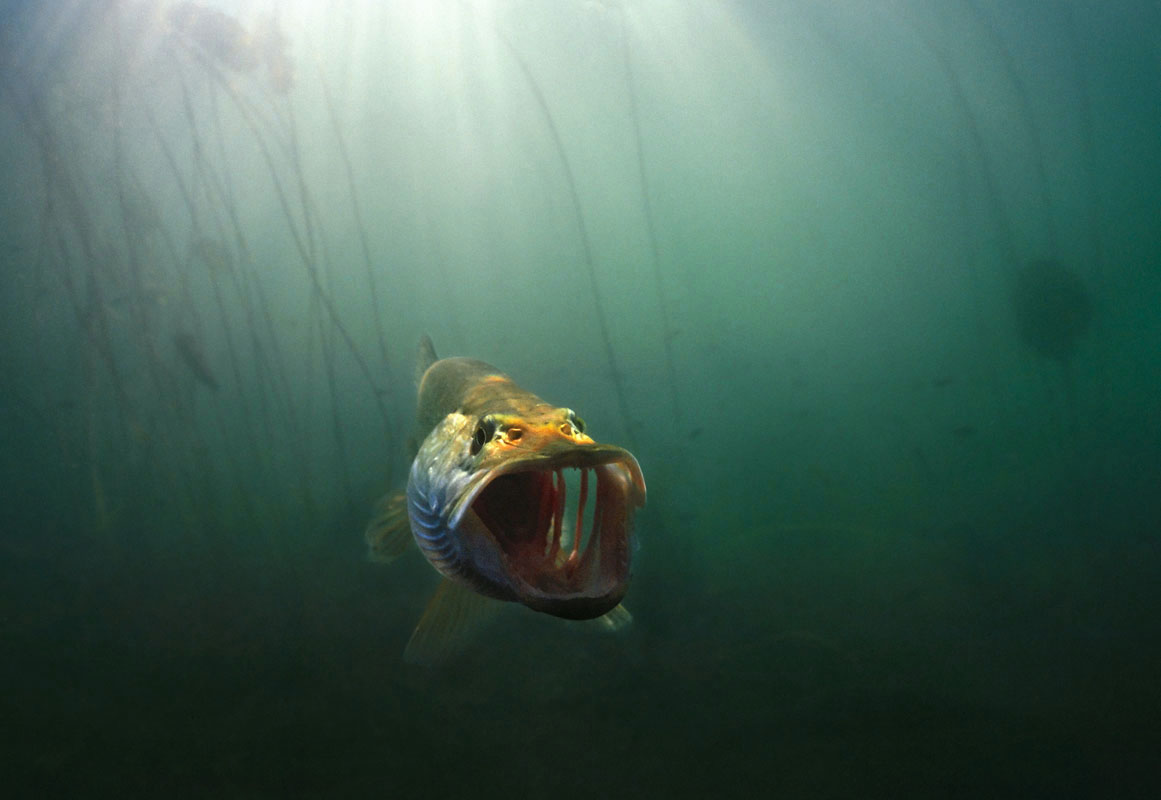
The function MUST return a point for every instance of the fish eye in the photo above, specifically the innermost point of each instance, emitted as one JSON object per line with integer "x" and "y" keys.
{"x": 577, "y": 422}
{"x": 482, "y": 436}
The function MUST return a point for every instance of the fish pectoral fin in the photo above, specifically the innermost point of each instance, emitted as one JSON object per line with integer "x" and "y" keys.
{"x": 452, "y": 618}
{"x": 614, "y": 621}
{"x": 388, "y": 534}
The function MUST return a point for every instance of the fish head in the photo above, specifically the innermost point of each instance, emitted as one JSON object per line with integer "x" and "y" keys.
{"x": 526, "y": 506}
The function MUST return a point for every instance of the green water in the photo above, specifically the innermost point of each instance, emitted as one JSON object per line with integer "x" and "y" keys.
{"x": 901, "y": 537}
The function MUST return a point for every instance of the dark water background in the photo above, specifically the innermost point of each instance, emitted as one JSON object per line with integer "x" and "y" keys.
{"x": 902, "y": 536}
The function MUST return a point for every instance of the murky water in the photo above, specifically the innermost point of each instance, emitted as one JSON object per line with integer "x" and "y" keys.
{"x": 870, "y": 291}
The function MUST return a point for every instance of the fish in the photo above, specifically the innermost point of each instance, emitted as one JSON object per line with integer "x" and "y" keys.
{"x": 510, "y": 499}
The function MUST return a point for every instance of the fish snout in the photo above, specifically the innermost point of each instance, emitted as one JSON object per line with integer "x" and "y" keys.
{"x": 549, "y": 435}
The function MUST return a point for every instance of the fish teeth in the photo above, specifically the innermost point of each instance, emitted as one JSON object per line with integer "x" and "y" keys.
{"x": 563, "y": 513}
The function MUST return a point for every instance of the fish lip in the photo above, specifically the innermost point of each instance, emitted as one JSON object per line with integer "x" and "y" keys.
{"x": 606, "y": 581}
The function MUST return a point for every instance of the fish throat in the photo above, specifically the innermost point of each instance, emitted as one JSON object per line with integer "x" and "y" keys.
{"x": 565, "y": 531}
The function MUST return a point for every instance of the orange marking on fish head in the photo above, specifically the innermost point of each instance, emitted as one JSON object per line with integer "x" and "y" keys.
{"x": 541, "y": 428}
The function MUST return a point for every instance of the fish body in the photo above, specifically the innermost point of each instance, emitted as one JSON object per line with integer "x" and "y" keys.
{"x": 509, "y": 498}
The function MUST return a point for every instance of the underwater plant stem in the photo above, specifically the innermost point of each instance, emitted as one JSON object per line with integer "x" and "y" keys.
{"x": 1024, "y": 103}
{"x": 667, "y": 331}
{"x": 205, "y": 475}
{"x": 327, "y": 348}
{"x": 365, "y": 247}
{"x": 203, "y": 172}
{"x": 90, "y": 311}
{"x": 311, "y": 218}
{"x": 227, "y": 328}
{"x": 987, "y": 169}
{"x": 582, "y": 229}
{"x": 294, "y": 155}
{"x": 360, "y": 227}
{"x": 245, "y": 276}
{"x": 1088, "y": 143}
{"x": 309, "y": 264}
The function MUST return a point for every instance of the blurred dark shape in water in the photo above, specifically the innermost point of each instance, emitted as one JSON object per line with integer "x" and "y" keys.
{"x": 218, "y": 34}
{"x": 964, "y": 431}
{"x": 1053, "y": 308}
{"x": 226, "y": 41}
{"x": 270, "y": 43}
{"x": 192, "y": 355}
{"x": 211, "y": 252}
{"x": 140, "y": 214}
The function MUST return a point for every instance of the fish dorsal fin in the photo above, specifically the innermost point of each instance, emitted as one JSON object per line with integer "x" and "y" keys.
{"x": 613, "y": 621}
{"x": 454, "y": 615}
{"x": 388, "y": 534}
{"x": 425, "y": 358}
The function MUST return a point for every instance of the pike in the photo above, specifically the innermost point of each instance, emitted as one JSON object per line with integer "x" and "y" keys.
{"x": 486, "y": 499}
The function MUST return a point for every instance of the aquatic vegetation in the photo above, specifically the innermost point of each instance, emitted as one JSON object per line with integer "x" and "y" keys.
{"x": 225, "y": 41}
{"x": 668, "y": 332}
{"x": 213, "y": 254}
{"x": 191, "y": 353}
{"x": 615, "y": 374}
{"x": 157, "y": 261}
{"x": 218, "y": 34}
{"x": 827, "y": 263}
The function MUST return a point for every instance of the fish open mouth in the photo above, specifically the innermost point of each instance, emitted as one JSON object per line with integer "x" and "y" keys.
{"x": 564, "y": 524}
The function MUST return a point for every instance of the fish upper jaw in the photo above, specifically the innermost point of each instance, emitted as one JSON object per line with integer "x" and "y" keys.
{"x": 496, "y": 518}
